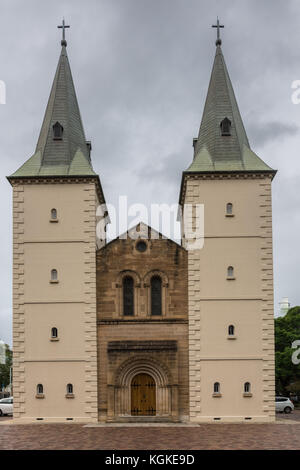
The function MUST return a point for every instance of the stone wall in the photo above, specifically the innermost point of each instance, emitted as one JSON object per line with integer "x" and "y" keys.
{"x": 169, "y": 260}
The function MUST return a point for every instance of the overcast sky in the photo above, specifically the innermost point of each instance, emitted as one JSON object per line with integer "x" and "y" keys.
{"x": 141, "y": 70}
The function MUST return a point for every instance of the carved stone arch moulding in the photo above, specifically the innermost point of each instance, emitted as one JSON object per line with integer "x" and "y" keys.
{"x": 166, "y": 391}
{"x": 119, "y": 285}
{"x": 165, "y": 285}
{"x": 143, "y": 364}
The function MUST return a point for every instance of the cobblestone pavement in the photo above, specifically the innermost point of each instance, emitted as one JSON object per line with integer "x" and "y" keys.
{"x": 294, "y": 416}
{"x": 283, "y": 436}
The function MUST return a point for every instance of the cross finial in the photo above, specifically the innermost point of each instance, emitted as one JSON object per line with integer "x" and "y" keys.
{"x": 63, "y": 26}
{"x": 218, "y": 26}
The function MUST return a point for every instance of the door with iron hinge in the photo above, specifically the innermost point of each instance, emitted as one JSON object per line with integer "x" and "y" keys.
{"x": 143, "y": 395}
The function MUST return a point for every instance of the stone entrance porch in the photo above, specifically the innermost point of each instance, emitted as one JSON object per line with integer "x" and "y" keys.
{"x": 127, "y": 360}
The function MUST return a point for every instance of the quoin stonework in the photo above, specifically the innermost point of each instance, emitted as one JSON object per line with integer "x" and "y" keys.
{"x": 143, "y": 329}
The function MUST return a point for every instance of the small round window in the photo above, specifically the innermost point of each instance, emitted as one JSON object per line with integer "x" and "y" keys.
{"x": 141, "y": 246}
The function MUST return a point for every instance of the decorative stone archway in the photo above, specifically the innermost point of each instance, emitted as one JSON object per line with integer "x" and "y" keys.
{"x": 119, "y": 403}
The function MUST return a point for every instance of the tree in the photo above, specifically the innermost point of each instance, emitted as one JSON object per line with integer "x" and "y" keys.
{"x": 5, "y": 368}
{"x": 287, "y": 330}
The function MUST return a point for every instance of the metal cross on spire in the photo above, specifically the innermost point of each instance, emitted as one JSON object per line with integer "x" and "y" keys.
{"x": 218, "y": 26}
{"x": 63, "y": 26}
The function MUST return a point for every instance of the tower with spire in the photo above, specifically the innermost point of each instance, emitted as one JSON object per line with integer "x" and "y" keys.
{"x": 139, "y": 329}
{"x": 55, "y": 195}
{"x": 230, "y": 280}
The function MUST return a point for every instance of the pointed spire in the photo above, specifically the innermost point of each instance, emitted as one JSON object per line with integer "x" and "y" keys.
{"x": 61, "y": 148}
{"x": 222, "y": 143}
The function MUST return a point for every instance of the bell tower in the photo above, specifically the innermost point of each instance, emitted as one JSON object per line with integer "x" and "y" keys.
{"x": 55, "y": 196}
{"x": 230, "y": 280}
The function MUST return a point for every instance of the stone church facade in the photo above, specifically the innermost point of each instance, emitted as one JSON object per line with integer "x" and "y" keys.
{"x": 142, "y": 341}
{"x": 143, "y": 329}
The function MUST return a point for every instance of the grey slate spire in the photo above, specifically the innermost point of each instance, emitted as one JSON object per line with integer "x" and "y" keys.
{"x": 68, "y": 154}
{"x": 214, "y": 151}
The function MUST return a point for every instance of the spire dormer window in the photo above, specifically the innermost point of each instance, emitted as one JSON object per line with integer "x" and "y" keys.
{"x": 57, "y": 131}
{"x": 225, "y": 126}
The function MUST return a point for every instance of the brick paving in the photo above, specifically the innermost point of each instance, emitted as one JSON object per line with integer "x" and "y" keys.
{"x": 205, "y": 436}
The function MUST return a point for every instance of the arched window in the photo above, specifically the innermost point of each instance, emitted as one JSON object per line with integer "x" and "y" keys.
{"x": 230, "y": 271}
{"x": 247, "y": 387}
{"x": 156, "y": 291}
{"x": 231, "y": 330}
{"x": 229, "y": 208}
{"x": 53, "y": 214}
{"x": 39, "y": 389}
{"x": 54, "y": 332}
{"x": 128, "y": 296}
{"x": 70, "y": 389}
{"x": 217, "y": 387}
{"x": 53, "y": 275}
{"x": 57, "y": 131}
{"x": 225, "y": 126}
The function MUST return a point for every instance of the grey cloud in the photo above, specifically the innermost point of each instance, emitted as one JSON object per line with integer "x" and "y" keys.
{"x": 141, "y": 70}
{"x": 262, "y": 133}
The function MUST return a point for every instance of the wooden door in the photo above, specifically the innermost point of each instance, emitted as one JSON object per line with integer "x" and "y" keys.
{"x": 143, "y": 395}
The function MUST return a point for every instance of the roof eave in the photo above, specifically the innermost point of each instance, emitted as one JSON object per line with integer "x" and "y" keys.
{"x": 95, "y": 177}
{"x": 270, "y": 172}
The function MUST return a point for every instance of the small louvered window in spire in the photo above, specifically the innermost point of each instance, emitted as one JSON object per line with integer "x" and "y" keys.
{"x": 225, "y": 126}
{"x": 57, "y": 131}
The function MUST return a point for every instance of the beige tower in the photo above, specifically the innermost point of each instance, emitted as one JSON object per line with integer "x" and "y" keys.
{"x": 55, "y": 195}
{"x": 230, "y": 280}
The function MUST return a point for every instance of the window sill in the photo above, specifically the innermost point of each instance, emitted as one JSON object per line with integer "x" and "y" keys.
{"x": 229, "y": 215}
{"x": 70, "y": 395}
{"x": 40, "y": 395}
{"x": 230, "y": 278}
{"x": 231, "y": 337}
{"x": 54, "y": 282}
{"x": 216, "y": 395}
{"x": 247, "y": 394}
{"x": 53, "y": 221}
{"x": 54, "y": 339}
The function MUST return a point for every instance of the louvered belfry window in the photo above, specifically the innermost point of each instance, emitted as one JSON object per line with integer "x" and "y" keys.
{"x": 57, "y": 131}
{"x": 128, "y": 296}
{"x": 156, "y": 291}
{"x": 225, "y": 126}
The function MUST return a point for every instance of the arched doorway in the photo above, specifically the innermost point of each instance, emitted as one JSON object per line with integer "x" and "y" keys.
{"x": 143, "y": 395}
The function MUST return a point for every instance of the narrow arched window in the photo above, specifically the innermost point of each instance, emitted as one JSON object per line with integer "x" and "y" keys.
{"x": 54, "y": 275}
{"x": 69, "y": 389}
{"x": 53, "y": 214}
{"x": 230, "y": 271}
{"x": 54, "y": 332}
{"x": 57, "y": 131}
{"x": 39, "y": 389}
{"x": 247, "y": 387}
{"x": 156, "y": 291}
{"x": 229, "y": 208}
{"x": 128, "y": 296}
{"x": 217, "y": 387}
{"x": 231, "y": 330}
{"x": 225, "y": 126}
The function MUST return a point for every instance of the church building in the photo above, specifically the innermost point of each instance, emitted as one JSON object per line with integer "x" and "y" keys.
{"x": 143, "y": 329}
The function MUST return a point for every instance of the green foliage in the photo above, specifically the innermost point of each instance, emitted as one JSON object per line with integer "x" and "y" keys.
{"x": 4, "y": 368}
{"x": 287, "y": 330}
